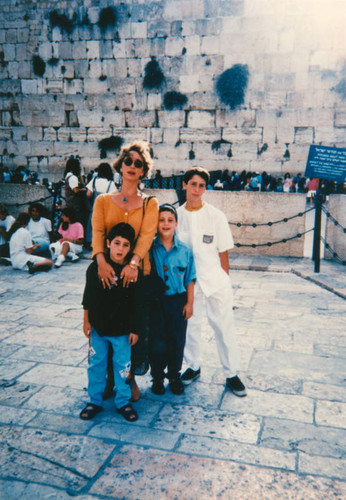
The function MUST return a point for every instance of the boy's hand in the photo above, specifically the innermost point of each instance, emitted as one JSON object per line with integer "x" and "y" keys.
{"x": 188, "y": 311}
{"x": 133, "y": 339}
{"x": 86, "y": 329}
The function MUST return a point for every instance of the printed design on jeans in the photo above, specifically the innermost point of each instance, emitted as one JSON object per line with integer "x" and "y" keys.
{"x": 208, "y": 238}
{"x": 126, "y": 370}
{"x": 92, "y": 351}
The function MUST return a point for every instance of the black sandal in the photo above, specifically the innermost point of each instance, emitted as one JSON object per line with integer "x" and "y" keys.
{"x": 128, "y": 412}
{"x": 90, "y": 411}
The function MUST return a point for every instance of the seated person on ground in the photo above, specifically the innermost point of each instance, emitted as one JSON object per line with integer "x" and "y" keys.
{"x": 71, "y": 241}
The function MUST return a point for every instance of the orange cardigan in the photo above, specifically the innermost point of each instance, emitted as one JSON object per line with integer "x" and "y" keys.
{"x": 107, "y": 214}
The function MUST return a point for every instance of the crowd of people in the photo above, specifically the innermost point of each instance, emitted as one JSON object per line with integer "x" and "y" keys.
{"x": 154, "y": 270}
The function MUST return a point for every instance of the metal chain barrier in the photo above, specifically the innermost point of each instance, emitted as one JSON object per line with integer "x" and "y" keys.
{"x": 333, "y": 252}
{"x": 285, "y": 219}
{"x": 270, "y": 243}
{"x": 336, "y": 223}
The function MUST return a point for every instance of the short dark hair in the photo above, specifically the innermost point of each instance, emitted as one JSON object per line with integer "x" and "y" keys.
{"x": 104, "y": 171}
{"x": 167, "y": 207}
{"x": 70, "y": 213}
{"x": 124, "y": 230}
{"x": 196, "y": 171}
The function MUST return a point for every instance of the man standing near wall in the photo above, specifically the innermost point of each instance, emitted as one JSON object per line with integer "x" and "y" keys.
{"x": 205, "y": 229}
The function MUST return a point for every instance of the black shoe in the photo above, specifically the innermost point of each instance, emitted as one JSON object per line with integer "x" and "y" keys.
{"x": 4, "y": 261}
{"x": 235, "y": 385}
{"x": 158, "y": 387}
{"x": 176, "y": 386}
{"x": 31, "y": 267}
{"x": 190, "y": 375}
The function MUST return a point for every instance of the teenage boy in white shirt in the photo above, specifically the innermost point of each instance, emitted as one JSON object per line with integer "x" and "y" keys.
{"x": 205, "y": 229}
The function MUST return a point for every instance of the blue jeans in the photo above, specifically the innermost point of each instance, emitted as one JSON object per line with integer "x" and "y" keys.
{"x": 97, "y": 369}
{"x": 44, "y": 251}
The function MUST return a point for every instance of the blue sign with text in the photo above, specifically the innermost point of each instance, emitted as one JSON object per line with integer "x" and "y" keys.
{"x": 326, "y": 163}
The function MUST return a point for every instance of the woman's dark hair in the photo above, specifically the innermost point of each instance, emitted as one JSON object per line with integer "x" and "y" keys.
{"x": 21, "y": 221}
{"x": 70, "y": 213}
{"x": 39, "y": 207}
{"x": 73, "y": 166}
{"x": 196, "y": 171}
{"x": 3, "y": 209}
{"x": 143, "y": 149}
{"x": 104, "y": 170}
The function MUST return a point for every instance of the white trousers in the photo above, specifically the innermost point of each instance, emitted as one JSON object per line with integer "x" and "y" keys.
{"x": 219, "y": 310}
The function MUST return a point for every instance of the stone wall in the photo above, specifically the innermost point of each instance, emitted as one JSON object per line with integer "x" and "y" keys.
{"x": 70, "y": 77}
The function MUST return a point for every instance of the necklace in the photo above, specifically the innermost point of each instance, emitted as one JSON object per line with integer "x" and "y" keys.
{"x": 125, "y": 199}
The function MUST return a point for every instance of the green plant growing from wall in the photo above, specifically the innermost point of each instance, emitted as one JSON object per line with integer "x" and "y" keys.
{"x": 231, "y": 85}
{"x": 153, "y": 75}
{"x": 107, "y": 18}
{"x": 39, "y": 66}
{"x": 174, "y": 100}
{"x": 112, "y": 143}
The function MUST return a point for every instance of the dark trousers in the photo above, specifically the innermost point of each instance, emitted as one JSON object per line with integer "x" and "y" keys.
{"x": 167, "y": 336}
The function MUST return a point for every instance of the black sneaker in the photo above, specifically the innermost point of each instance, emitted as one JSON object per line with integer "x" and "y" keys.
{"x": 190, "y": 375}
{"x": 31, "y": 267}
{"x": 235, "y": 385}
{"x": 158, "y": 387}
{"x": 176, "y": 386}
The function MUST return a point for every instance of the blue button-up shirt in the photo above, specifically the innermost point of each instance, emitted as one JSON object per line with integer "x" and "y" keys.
{"x": 176, "y": 267}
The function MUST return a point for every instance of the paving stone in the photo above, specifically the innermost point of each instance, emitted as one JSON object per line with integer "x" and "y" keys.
{"x": 306, "y": 366}
{"x": 139, "y": 473}
{"x": 322, "y": 466}
{"x": 57, "y": 375}
{"x": 14, "y": 393}
{"x": 239, "y": 452}
{"x": 321, "y": 349}
{"x": 11, "y": 369}
{"x": 330, "y": 413}
{"x": 51, "y": 458}
{"x": 147, "y": 412}
{"x": 15, "y": 416}
{"x": 51, "y": 355}
{"x": 65, "y": 401}
{"x": 12, "y": 490}
{"x": 324, "y": 391}
{"x": 61, "y": 423}
{"x": 141, "y": 436}
{"x": 308, "y": 438}
{"x": 271, "y": 404}
{"x": 53, "y": 321}
{"x": 272, "y": 383}
{"x": 6, "y": 350}
{"x": 242, "y": 427}
{"x": 40, "y": 336}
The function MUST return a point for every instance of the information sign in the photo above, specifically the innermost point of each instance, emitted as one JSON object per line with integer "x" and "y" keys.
{"x": 326, "y": 163}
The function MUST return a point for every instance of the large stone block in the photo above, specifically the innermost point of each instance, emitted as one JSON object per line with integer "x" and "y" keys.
{"x": 65, "y": 50}
{"x": 187, "y": 9}
{"x": 156, "y": 135}
{"x": 79, "y": 50}
{"x": 189, "y": 83}
{"x": 75, "y": 86}
{"x": 21, "y": 52}
{"x": 41, "y": 148}
{"x": 90, "y": 118}
{"x": 199, "y": 135}
{"x": 95, "y": 86}
{"x": 201, "y": 119}
{"x": 171, "y": 119}
{"x": 246, "y": 135}
{"x": 139, "y": 30}
{"x": 174, "y": 46}
{"x": 114, "y": 119}
{"x": 170, "y": 135}
{"x": 140, "y": 118}
{"x": 93, "y": 49}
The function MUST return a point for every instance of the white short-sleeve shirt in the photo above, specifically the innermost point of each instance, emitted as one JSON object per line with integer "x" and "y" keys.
{"x": 101, "y": 185}
{"x": 72, "y": 180}
{"x": 207, "y": 232}
{"x": 40, "y": 228}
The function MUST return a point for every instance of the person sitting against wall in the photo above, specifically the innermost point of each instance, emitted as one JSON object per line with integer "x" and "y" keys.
{"x": 40, "y": 228}
{"x": 6, "y": 222}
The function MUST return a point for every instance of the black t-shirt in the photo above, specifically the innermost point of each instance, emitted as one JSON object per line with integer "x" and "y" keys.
{"x": 112, "y": 312}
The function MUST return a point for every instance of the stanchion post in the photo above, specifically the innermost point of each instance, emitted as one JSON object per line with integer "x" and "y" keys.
{"x": 316, "y": 254}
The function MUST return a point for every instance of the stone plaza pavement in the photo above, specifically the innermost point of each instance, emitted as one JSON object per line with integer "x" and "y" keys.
{"x": 285, "y": 440}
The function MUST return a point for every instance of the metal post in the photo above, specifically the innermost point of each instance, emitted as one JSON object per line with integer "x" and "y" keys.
{"x": 316, "y": 255}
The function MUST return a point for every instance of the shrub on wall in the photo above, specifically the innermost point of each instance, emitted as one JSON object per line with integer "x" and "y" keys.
{"x": 153, "y": 75}
{"x": 231, "y": 85}
{"x": 174, "y": 100}
{"x": 61, "y": 20}
{"x": 107, "y": 18}
{"x": 39, "y": 66}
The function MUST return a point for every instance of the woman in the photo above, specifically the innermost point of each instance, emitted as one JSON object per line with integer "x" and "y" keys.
{"x": 129, "y": 205}
{"x": 6, "y": 222}
{"x": 75, "y": 191}
{"x": 72, "y": 237}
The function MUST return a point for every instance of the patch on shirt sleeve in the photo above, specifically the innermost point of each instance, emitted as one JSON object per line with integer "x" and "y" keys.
{"x": 208, "y": 238}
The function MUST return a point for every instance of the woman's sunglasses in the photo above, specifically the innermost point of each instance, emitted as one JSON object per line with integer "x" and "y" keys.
{"x": 128, "y": 162}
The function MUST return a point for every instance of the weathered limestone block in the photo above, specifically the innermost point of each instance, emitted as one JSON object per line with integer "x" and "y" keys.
{"x": 93, "y": 49}
{"x": 243, "y": 118}
{"x": 45, "y": 50}
{"x": 90, "y": 118}
{"x": 157, "y": 47}
{"x": 21, "y": 52}
{"x": 122, "y": 85}
{"x": 138, "y": 30}
{"x": 154, "y": 101}
{"x": 156, "y": 135}
{"x": 41, "y": 148}
{"x": 164, "y": 151}
{"x": 105, "y": 49}
{"x": 210, "y": 45}
{"x": 132, "y": 134}
{"x": 303, "y": 135}
{"x": 19, "y": 133}
{"x": 174, "y": 46}
{"x": 140, "y": 118}
{"x": 35, "y": 133}
{"x": 95, "y": 70}
{"x": 201, "y": 119}
{"x": 199, "y": 135}
{"x": 65, "y": 50}
{"x": 158, "y": 28}
{"x": 81, "y": 68}
{"x": 340, "y": 119}
{"x": 244, "y": 151}
{"x": 9, "y": 50}
{"x": 79, "y": 50}
{"x": 192, "y": 45}
{"x": 170, "y": 135}
{"x": 18, "y": 147}
{"x": 78, "y": 134}
{"x": 95, "y": 86}
{"x": 189, "y": 83}
{"x": 29, "y": 86}
{"x": 50, "y": 134}
{"x": 95, "y": 134}
{"x": 54, "y": 86}
{"x": 249, "y": 135}
{"x": 171, "y": 119}
{"x": 75, "y": 86}
{"x": 187, "y": 9}
{"x": 114, "y": 119}
{"x": 142, "y": 47}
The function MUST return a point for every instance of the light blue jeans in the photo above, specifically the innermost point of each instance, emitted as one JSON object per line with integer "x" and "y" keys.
{"x": 97, "y": 369}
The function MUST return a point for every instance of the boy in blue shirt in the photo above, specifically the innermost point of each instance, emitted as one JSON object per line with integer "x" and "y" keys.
{"x": 174, "y": 264}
